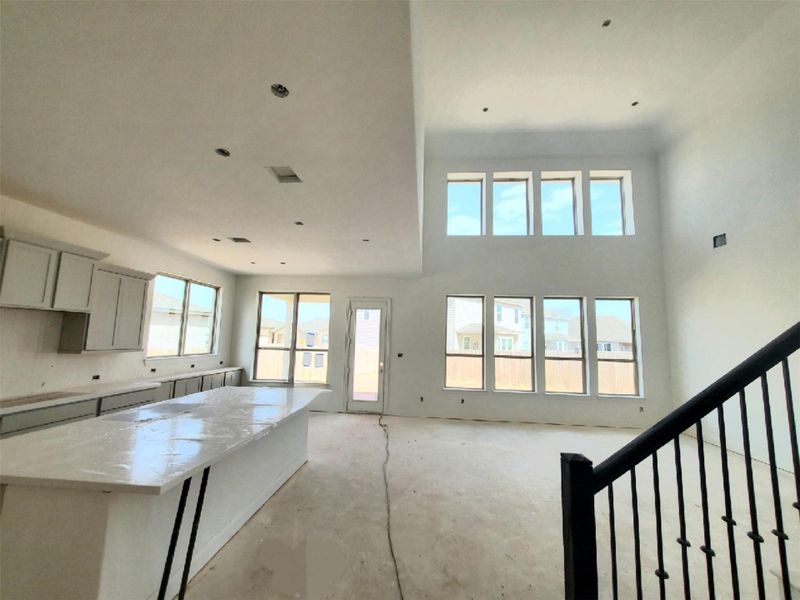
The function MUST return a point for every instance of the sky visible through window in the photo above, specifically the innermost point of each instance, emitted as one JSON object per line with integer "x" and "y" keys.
{"x": 510, "y": 208}
{"x": 606, "y": 197}
{"x": 558, "y": 208}
{"x": 464, "y": 208}
{"x": 619, "y": 308}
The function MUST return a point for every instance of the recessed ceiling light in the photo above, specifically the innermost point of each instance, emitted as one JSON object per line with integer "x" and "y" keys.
{"x": 223, "y": 152}
{"x": 607, "y": 22}
{"x": 252, "y": 262}
{"x": 283, "y": 262}
{"x": 239, "y": 240}
{"x": 279, "y": 90}
{"x": 216, "y": 239}
{"x": 299, "y": 223}
{"x": 635, "y": 103}
{"x": 365, "y": 240}
{"x": 485, "y": 109}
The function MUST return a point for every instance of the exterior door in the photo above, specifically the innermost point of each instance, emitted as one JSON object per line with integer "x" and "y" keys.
{"x": 367, "y": 342}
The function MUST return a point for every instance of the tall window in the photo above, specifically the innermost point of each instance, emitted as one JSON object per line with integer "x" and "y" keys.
{"x": 564, "y": 360}
{"x": 465, "y": 204}
{"x": 560, "y": 206}
{"x": 464, "y": 347}
{"x": 513, "y": 347}
{"x": 183, "y": 318}
{"x": 617, "y": 369}
{"x": 610, "y": 198}
{"x": 510, "y": 204}
{"x": 291, "y": 329}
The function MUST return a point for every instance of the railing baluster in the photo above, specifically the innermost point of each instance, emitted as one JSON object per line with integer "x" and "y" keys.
{"x": 637, "y": 550}
{"x": 776, "y": 492}
{"x": 728, "y": 518}
{"x": 706, "y": 547}
{"x": 660, "y": 572}
{"x": 613, "y": 536}
{"x": 687, "y": 590}
{"x": 753, "y": 533}
{"x": 787, "y": 386}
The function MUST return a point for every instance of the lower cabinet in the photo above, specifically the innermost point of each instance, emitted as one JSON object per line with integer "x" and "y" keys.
{"x": 190, "y": 385}
{"x": 44, "y": 417}
{"x": 212, "y": 382}
{"x": 121, "y": 401}
{"x": 233, "y": 378}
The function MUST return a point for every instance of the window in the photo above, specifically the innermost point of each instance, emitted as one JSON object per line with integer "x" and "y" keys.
{"x": 561, "y": 205}
{"x": 617, "y": 369}
{"x": 464, "y": 345}
{"x": 510, "y": 204}
{"x": 183, "y": 318}
{"x": 610, "y": 193}
{"x": 465, "y": 204}
{"x": 289, "y": 325}
{"x": 564, "y": 362}
{"x": 513, "y": 355}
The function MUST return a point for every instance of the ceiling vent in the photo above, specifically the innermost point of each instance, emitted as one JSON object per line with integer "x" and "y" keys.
{"x": 285, "y": 175}
{"x": 240, "y": 240}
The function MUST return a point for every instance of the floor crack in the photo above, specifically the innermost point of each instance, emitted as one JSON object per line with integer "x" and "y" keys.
{"x": 389, "y": 506}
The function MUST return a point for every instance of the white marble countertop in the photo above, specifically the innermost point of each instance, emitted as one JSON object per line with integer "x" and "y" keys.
{"x": 152, "y": 448}
{"x": 72, "y": 395}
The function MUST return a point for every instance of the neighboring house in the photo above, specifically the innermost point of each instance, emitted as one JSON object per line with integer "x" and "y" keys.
{"x": 166, "y": 315}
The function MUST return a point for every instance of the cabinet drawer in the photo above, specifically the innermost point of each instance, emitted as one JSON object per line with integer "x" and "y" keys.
{"x": 46, "y": 416}
{"x": 121, "y": 401}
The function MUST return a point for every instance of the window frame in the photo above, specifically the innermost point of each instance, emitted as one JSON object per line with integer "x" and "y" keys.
{"x": 531, "y": 357}
{"x": 465, "y": 178}
{"x": 574, "y": 179}
{"x": 292, "y": 349}
{"x": 634, "y": 350}
{"x": 185, "y": 316}
{"x": 482, "y": 355}
{"x": 583, "y": 358}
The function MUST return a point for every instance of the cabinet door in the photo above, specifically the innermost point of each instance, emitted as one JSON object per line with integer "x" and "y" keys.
{"x": 193, "y": 385}
{"x": 74, "y": 282}
{"x": 130, "y": 313}
{"x": 29, "y": 274}
{"x": 217, "y": 380}
{"x": 233, "y": 378}
{"x": 103, "y": 305}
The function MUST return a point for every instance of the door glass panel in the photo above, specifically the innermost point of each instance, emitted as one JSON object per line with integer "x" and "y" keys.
{"x": 366, "y": 355}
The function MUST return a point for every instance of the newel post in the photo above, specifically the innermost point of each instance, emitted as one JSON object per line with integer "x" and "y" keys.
{"x": 580, "y": 546}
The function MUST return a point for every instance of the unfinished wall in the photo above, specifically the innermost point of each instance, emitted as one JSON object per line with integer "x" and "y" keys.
{"x": 538, "y": 266}
{"x": 734, "y": 169}
{"x": 29, "y": 338}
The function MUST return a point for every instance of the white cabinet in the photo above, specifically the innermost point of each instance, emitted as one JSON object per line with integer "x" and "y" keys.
{"x": 214, "y": 381}
{"x": 184, "y": 387}
{"x": 103, "y": 307}
{"x": 233, "y": 378}
{"x": 74, "y": 282}
{"x": 130, "y": 313}
{"x": 29, "y": 275}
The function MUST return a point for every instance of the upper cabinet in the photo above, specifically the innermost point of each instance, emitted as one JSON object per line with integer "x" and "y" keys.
{"x": 40, "y": 273}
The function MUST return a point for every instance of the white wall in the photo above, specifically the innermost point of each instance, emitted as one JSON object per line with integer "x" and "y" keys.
{"x": 736, "y": 171}
{"x": 29, "y": 338}
{"x": 538, "y": 266}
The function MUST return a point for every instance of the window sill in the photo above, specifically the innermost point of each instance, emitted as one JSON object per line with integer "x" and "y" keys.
{"x": 450, "y": 389}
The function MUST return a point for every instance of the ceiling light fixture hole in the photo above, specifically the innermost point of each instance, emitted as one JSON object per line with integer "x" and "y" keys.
{"x": 299, "y": 223}
{"x": 279, "y": 90}
{"x": 635, "y": 103}
{"x": 607, "y": 22}
{"x": 223, "y": 152}
{"x": 365, "y": 240}
{"x": 485, "y": 109}
{"x": 216, "y": 239}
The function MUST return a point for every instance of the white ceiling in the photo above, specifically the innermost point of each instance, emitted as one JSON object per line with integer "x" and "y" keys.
{"x": 111, "y": 113}
{"x": 551, "y": 66}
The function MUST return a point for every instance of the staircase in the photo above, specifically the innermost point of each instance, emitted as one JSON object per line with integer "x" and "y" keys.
{"x": 700, "y": 520}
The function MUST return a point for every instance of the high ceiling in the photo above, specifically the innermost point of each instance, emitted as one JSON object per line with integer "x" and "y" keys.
{"x": 111, "y": 111}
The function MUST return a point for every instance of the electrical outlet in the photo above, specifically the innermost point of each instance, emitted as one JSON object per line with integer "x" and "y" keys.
{"x": 95, "y": 377}
{"x": 462, "y": 401}
{"x": 153, "y": 370}
{"x": 421, "y": 398}
{"x": 641, "y": 409}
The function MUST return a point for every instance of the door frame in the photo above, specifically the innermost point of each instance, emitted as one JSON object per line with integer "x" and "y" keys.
{"x": 352, "y": 304}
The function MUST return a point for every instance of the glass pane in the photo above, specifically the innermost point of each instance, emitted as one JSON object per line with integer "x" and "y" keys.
{"x": 166, "y": 316}
{"x": 563, "y": 376}
{"x": 200, "y": 319}
{"x": 616, "y": 378}
{"x": 272, "y": 364}
{"x": 464, "y": 325}
{"x": 563, "y": 334}
{"x": 558, "y": 207}
{"x": 464, "y": 204}
{"x": 464, "y": 372}
{"x": 512, "y": 326}
{"x": 313, "y": 317}
{"x": 510, "y": 208}
{"x": 606, "y": 198}
{"x": 614, "y": 329}
{"x": 366, "y": 355}
{"x": 513, "y": 374}
{"x": 276, "y": 321}
{"x": 310, "y": 370}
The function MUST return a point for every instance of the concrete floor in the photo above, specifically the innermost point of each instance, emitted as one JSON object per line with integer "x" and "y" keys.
{"x": 475, "y": 513}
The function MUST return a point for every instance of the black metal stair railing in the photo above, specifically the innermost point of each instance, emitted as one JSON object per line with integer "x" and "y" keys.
{"x": 580, "y": 483}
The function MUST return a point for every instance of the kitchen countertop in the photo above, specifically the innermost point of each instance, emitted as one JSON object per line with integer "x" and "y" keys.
{"x": 152, "y": 448}
{"x": 90, "y": 392}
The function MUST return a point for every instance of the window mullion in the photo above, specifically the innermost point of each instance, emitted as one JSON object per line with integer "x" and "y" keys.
{"x": 293, "y": 345}
{"x": 184, "y": 318}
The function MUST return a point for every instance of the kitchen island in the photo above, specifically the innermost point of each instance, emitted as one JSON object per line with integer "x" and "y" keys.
{"x": 104, "y": 508}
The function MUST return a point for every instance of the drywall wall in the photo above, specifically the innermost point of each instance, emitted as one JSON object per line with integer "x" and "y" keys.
{"x": 736, "y": 172}
{"x": 535, "y": 265}
{"x": 29, "y": 338}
